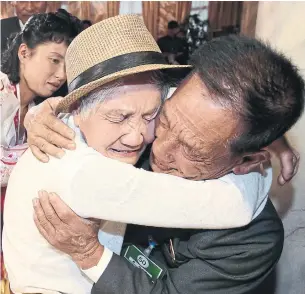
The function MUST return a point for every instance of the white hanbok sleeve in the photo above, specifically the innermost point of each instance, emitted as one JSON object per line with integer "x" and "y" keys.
{"x": 108, "y": 189}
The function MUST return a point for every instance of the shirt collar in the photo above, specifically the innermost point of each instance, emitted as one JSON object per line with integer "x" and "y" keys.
{"x": 68, "y": 119}
{"x": 21, "y": 24}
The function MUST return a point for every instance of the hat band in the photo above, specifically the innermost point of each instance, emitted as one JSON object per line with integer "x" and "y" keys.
{"x": 116, "y": 64}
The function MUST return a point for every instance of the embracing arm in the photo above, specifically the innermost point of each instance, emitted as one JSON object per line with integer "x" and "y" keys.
{"x": 107, "y": 189}
{"x": 198, "y": 204}
{"x": 48, "y": 135}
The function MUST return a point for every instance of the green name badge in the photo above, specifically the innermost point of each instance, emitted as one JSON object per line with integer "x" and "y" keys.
{"x": 136, "y": 257}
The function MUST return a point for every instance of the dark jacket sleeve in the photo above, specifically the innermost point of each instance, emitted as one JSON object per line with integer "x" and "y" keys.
{"x": 215, "y": 261}
{"x": 8, "y": 26}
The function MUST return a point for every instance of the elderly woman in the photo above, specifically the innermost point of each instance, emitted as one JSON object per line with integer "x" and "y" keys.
{"x": 115, "y": 95}
{"x": 33, "y": 65}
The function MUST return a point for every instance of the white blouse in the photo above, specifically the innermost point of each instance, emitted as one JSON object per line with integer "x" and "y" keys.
{"x": 12, "y": 144}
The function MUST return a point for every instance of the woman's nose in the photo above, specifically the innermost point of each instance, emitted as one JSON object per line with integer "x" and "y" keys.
{"x": 149, "y": 135}
{"x": 134, "y": 137}
{"x": 61, "y": 74}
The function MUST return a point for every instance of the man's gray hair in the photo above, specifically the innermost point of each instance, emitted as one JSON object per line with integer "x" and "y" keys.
{"x": 100, "y": 94}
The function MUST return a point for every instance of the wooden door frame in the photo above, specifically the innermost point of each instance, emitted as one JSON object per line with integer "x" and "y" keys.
{"x": 248, "y": 18}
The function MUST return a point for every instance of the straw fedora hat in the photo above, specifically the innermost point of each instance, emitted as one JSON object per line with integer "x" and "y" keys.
{"x": 111, "y": 49}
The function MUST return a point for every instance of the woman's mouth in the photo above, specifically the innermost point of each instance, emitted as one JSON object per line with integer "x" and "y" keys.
{"x": 125, "y": 153}
{"x": 55, "y": 86}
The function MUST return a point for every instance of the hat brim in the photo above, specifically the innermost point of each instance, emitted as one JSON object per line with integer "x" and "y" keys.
{"x": 65, "y": 104}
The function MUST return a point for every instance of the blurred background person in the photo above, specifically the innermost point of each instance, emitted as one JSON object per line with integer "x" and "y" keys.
{"x": 184, "y": 57}
{"x": 23, "y": 11}
{"x": 86, "y": 23}
{"x": 174, "y": 48}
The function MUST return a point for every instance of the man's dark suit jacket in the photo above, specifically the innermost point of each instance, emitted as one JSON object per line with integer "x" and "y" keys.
{"x": 8, "y": 26}
{"x": 230, "y": 261}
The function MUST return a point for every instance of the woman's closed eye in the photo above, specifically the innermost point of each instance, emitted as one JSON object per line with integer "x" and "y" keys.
{"x": 152, "y": 116}
{"x": 117, "y": 118}
{"x": 149, "y": 118}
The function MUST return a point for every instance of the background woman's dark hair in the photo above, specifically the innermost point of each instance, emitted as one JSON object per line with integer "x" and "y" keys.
{"x": 57, "y": 27}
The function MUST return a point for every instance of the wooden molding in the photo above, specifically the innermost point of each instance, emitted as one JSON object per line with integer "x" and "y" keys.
{"x": 248, "y": 18}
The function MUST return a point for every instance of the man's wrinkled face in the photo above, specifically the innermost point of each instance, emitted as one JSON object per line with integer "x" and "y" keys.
{"x": 192, "y": 134}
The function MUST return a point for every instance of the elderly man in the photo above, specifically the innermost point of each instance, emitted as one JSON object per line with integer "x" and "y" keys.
{"x": 23, "y": 10}
{"x": 240, "y": 98}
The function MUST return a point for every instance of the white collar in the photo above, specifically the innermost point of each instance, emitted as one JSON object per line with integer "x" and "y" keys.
{"x": 18, "y": 97}
{"x": 68, "y": 119}
{"x": 18, "y": 91}
{"x": 21, "y": 24}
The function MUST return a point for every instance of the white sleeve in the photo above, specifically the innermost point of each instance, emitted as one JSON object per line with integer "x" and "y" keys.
{"x": 9, "y": 105}
{"x": 95, "y": 272}
{"x": 108, "y": 189}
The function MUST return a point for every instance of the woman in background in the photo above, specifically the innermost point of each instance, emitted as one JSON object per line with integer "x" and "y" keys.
{"x": 33, "y": 65}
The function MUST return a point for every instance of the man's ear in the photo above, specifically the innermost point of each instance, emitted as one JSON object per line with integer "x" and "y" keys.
{"x": 252, "y": 162}
{"x": 23, "y": 52}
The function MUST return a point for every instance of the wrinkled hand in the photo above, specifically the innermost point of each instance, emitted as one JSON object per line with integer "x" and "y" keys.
{"x": 46, "y": 133}
{"x": 66, "y": 231}
{"x": 289, "y": 159}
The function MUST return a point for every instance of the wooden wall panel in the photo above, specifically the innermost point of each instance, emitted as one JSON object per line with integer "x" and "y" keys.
{"x": 97, "y": 11}
{"x": 93, "y": 10}
{"x": 166, "y": 13}
{"x": 248, "y": 18}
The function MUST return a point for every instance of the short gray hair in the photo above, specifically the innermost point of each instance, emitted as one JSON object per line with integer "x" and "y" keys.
{"x": 100, "y": 94}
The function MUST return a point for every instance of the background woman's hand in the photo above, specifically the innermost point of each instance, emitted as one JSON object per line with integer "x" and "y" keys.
{"x": 47, "y": 134}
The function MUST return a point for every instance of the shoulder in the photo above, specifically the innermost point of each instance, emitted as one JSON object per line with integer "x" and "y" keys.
{"x": 254, "y": 188}
{"x": 262, "y": 238}
{"x": 3, "y": 75}
{"x": 8, "y": 26}
{"x": 6, "y": 87}
{"x": 246, "y": 182}
{"x": 162, "y": 39}
{"x": 9, "y": 20}
{"x": 237, "y": 259}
